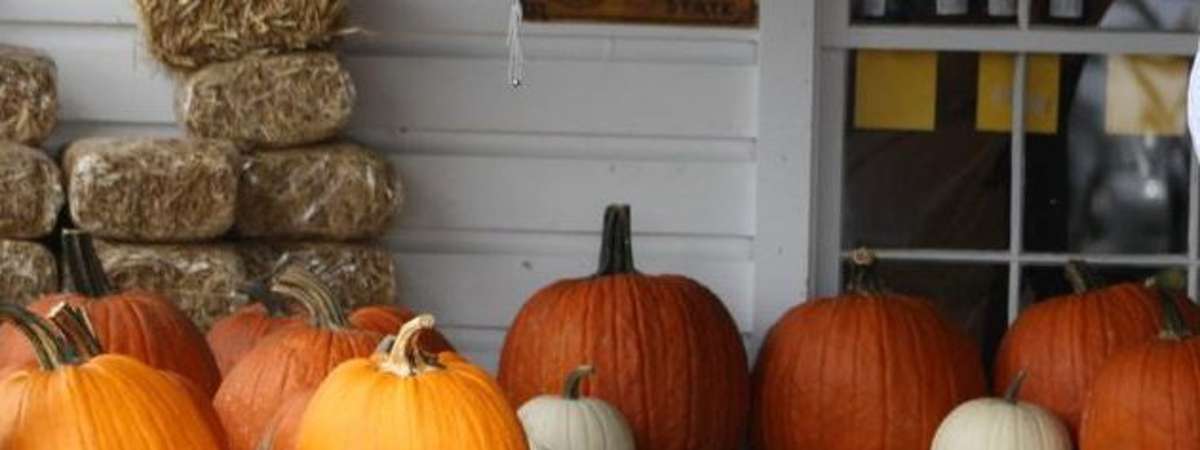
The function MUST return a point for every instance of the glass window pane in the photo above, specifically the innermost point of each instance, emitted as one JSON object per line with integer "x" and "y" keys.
{"x": 919, "y": 173}
{"x": 1113, "y": 175}
{"x": 1144, "y": 15}
{"x": 951, "y": 12}
{"x": 1044, "y": 282}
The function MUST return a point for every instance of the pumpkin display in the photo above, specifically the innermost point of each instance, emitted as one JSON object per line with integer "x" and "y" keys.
{"x": 571, "y": 422}
{"x": 405, "y": 398}
{"x": 1066, "y": 339}
{"x": 234, "y": 335}
{"x": 1002, "y": 424}
{"x": 81, "y": 399}
{"x": 139, "y": 324}
{"x": 289, "y": 361}
{"x": 867, "y": 370}
{"x": 641, "y": 331}
{"x": 1147, "y": 397}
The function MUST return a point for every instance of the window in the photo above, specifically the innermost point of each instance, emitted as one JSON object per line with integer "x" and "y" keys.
{"x": 920, "y": 158}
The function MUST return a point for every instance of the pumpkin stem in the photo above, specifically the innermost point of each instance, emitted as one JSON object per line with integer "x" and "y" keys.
{"x": 864, "y": 278}
{"x": 1174, "y": 327}
{"x": 47, "y": 346}
{"x": 575, "y": 381}
{"x": 616, "y": 248}
{"x": 257, "y": 291}
{"x": 1081, "y": 276}
{"x": 405, "y": 358}
{"x": 83, "y": 265}
{"x": 1014, "y": 388}
{"x": 299, "y": 284}
{"x": 77, "y": 328}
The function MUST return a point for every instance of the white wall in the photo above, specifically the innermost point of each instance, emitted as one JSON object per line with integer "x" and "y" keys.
{"x": 507, "y": 186}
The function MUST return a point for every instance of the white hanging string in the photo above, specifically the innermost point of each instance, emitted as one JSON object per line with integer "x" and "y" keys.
{"x": 1193, "y": 104}
{"x": 516, "y": 54}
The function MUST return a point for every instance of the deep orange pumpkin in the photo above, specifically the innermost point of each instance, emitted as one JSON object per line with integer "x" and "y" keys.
{"x": 673, "y": 358}
{"x": 1147, "y": 397}
{"x": 142, "y": 325}
{"x": 867, "y": 370}
{"x": 289, "y": 361}
{"x": 281, "y": 435}
{"x": 1066, "y": 339}
{"x": 388, "y": 319}
{"x": 234, "y": 335}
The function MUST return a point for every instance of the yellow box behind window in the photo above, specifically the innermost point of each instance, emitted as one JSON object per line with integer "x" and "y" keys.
{"x": 993, "y": 110}
{"x": 895, "y": 90}
{"x": 1146, "y": 95}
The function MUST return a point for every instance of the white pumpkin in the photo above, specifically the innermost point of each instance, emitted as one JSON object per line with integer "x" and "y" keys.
{"x": 571, "y": 422}
{"x": 1001, "y": 424}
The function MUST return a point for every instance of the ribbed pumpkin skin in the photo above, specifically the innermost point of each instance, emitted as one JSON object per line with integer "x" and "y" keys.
{"x": 1146, "y": 398}
{"x": 672, "y": 358}
{"x": 281, "y": 435}
{"x": 861, "y": 373}
{"x": 233, "y": 336}
{"x": 362, "y": 407}
{"x": 387, "y": 319}
{"x": 284, "y": 364}
{"x": 141, "y": 325}
{"x": 110, "y": 403}
{"x": 1067, "y": 339}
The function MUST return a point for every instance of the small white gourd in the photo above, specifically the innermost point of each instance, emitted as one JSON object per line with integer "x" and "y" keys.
{"x": 571, "y": 422}
{"x": 1001, "y": 424}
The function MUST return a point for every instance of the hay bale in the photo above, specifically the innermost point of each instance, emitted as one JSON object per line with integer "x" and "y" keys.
{"x": 201, "y": 279}
{"x": 189, "y": 34}
{"x": 31, "y": 192}
{"x": 27, "y": 271}
{"x": 152, "y": 190}
{"x": 335, "y": 191}
{"x": 357, "y": 273}
{"x": 269, "y": 102}
{"x": 28, "y": 95}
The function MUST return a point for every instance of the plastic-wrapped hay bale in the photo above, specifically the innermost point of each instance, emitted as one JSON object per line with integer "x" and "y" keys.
{"x": 201, "y": 279}
{"x": 152, "y": 190}
{"x": 360, "y": 274}
{"x": 189, "y": 34}
{"x": 28, "y": 95}
{"x": 31, "y": 192}
{"x": 27, "y": 270}
{"x": 274, "y": 101}
{"x": 335, "y": 191}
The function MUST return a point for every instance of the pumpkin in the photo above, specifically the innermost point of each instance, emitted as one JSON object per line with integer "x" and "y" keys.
{"x": 1066, "y": 339}
{"x": 281, "y": 435}
{"x": 387, "y": 319}
{"x": 1147, "y": 397}
{"x": 234, "y": 335}
{"x": 81, "y": 399}
{"x": 406, "y": 398}
{"x": 867, "y": 370}
{"x": 1002, "y": 424}
{"x": 571, "y": 422}
{"x": 640, "y": 331}
{"x": 289, "y": 361}
{"x": 139, "y": 324}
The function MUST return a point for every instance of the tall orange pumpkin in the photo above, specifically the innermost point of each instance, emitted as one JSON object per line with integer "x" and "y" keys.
{"x": 868, "y": 370}
{"x": 1066, "y": 339}
{"x": 675, "y": 364}
{"x": 236, "y": 334}
{"x": 79, "y": 399}
{"x": 406, "y": 398}
{"x": 288, "y": 362}
{"x": 1147, "y": 397}
{"x": 142, "y": 325}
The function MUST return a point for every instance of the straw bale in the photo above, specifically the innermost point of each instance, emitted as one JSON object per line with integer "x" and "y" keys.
{"x": 31, "y": 192}
{"x": 27, "y": 270}
{"x": 28, "y": 95}
{"x": 358, "y": 274}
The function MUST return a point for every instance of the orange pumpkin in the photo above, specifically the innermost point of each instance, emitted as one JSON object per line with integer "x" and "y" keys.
{"x": 408, "y": 399}
{"x": 388, "y": 319}
{"x": 281, "y": 435}
{"x": 289, "y": 361}
{"x": 1147, "y": 397}
{"x": 1066, "y": 339}
{"x": 868, "y": 370}
{"x": 641, "y": 331}
{"x": 142, "y": 325}
{"x": 233, "y": 336}
{"x": 79, "y": 399}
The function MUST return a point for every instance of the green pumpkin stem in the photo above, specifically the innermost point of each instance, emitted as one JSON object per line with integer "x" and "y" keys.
{"x": 1081, "y": 276}
{"x": 405, "y": 358}
{"x": 1014, "y": 388}
{"x": 571, "y": 388}
{"x": 77, "y": 328}
{"x": 864, "y": 277}
{"x": 1174, "y": 327}
{"x": 50, "y": 350}
{"x": 298, "y": 284}
{"x": 616, "y": 249}
{"x": 83, "y": 265}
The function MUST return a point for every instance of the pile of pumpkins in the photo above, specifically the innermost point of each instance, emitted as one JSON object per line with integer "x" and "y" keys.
{"x": 658, "y": 356}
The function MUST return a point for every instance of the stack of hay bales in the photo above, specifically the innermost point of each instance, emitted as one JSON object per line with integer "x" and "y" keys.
{"x": 31, "y": 191}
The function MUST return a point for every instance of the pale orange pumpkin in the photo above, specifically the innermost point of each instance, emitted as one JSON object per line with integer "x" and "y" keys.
{"x": 236, "y": 334}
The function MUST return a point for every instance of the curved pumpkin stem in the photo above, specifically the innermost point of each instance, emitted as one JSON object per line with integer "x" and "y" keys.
{"x": 77, "y": 328}
{"x": 47, "y": 346}
{"x": 405, "y": 358}
{"x": 1081, "y": 276}
{"x": 1014, "y": 389}
{"x": 1174, "y": 327}
{"x": 83, "y": 265}
{"x": 616, "y": 249}
{"x": 575, "y": 381}
{"x": 302, "y": 286}
{"x": 864, "y": 278}
{"x": 257, "y": 291}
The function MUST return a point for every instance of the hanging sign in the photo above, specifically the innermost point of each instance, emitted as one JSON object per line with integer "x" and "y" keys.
{"x": 701, "y": 12}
